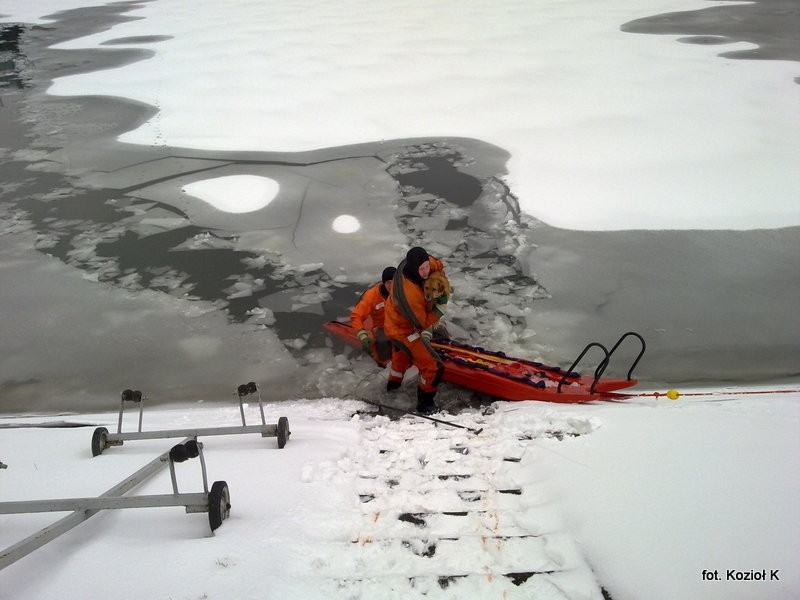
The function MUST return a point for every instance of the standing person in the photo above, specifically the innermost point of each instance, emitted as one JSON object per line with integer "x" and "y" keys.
{"x": 367, "y": 318}
{"x": 409, "y": 325}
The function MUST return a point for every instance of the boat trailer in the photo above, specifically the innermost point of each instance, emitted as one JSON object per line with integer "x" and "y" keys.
{"x": 102, "y": 439}
{"x": 216, "y": 501}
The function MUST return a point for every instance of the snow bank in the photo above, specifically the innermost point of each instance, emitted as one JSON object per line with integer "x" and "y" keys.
{"x": 642, "y": 497}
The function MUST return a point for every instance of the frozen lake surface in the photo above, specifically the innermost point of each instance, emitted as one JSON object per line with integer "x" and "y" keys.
{"x": 129, "y": 270}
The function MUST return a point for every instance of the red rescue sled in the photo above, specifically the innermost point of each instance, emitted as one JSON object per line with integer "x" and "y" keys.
{"x": 510, "y": 378}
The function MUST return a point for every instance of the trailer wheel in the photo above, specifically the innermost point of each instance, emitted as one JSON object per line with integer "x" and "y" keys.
{"x": 283, "y": 431}
{"x": 219, "y": 504}
{"x": 99, "y": 441}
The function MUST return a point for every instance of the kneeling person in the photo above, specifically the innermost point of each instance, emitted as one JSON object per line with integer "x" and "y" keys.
{"x": 367, "y": 318}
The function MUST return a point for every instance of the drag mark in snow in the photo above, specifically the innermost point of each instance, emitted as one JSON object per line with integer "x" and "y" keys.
{"x": 440, "y": 513}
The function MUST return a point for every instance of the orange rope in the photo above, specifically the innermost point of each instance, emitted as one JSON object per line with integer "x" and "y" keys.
{"x": 739, "y": 392}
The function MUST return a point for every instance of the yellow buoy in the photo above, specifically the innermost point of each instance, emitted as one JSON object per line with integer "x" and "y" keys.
{"x": 673, "y": 394}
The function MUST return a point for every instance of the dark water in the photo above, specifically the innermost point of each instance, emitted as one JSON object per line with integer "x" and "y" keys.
{"x": 773, "y": 25}
{"x": 713, "y": 306}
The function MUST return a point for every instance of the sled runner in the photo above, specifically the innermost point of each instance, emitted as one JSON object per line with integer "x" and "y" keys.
{"x": 511, "y": 378}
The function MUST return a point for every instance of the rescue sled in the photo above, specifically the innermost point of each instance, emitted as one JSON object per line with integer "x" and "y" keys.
{"x": 510, "y": 378}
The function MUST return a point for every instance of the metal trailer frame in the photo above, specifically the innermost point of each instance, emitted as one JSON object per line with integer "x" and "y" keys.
{"x": 102, "y": 439}
{"x": 215, "y": 502}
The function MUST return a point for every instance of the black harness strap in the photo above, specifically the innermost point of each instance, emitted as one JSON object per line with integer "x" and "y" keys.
{"x": 399, "y": 297}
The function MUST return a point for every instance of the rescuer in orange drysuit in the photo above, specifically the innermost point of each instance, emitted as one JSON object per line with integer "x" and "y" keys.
{"x": 368, "y": 315}
{"x": 409, "y": 322}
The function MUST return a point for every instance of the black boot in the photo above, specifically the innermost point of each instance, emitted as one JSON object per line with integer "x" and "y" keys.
{"x": 425, "y": 402}
{"x": 393, "y": 385}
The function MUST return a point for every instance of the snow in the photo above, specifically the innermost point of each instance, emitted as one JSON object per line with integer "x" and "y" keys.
{"x": 346, "y": 224}
{"x": 640, "y": 497}
{"x": 627, "y": 131}
{"x": 664, "y": 490}
{"x": 235, "y": 193}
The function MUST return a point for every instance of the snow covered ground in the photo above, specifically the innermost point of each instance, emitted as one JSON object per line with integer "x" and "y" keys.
{"x": 647, "y": 498}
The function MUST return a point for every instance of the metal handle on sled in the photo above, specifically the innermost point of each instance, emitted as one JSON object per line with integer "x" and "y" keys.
{"x": 604, "y": 363}
{"x": 638, "y": 358}
{"x": 597, "y": 372}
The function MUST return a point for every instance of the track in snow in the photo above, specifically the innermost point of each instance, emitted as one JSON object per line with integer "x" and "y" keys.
{"x": 442, "y": 513}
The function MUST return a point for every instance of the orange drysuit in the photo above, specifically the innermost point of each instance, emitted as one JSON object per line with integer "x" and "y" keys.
{"x": 407, "y": 314}
{"x": 368, "y": 314}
